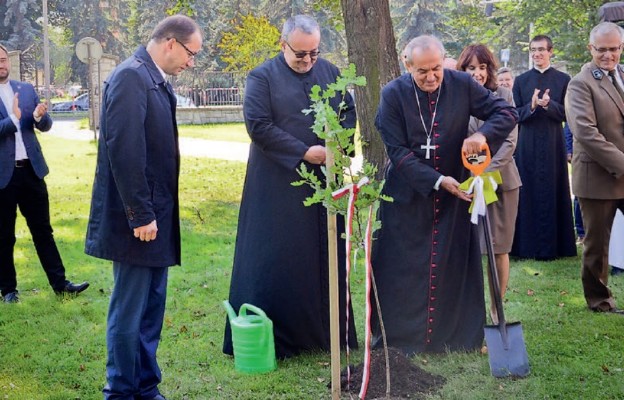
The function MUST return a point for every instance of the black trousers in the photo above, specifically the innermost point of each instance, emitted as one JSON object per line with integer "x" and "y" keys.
{"x": 30, "y": 193}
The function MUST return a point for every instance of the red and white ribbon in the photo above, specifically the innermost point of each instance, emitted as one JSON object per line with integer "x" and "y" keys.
{"x": 353, "y": 191}
{"x": 367, "y": 325}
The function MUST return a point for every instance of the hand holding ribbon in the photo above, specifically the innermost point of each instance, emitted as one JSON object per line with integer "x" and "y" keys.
{"x": 483, "y": 184}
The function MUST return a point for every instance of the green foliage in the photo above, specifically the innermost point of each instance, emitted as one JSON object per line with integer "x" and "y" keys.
{"x": 55, "y": 348}
{"x": 339, "y": 142}
{"x": 333, "y": 10}
{"x": 19, "y": 17}
{"x": 185, "y": 7}
{"x": 512, "y": 24}
{"x": 417, "y": 17}
{"x": 252, "y": 41}
{"x": 61, "y": 51}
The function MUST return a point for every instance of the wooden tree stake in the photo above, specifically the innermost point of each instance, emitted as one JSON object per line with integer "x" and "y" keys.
{"x": 334, "y": 310}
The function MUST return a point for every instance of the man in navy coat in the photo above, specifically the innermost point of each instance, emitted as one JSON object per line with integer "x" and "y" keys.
{"x": 22, "y": 168}
{"x": 134, "y": 217}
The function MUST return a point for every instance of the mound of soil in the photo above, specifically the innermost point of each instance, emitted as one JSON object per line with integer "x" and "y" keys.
{"x": 407, "y": 381}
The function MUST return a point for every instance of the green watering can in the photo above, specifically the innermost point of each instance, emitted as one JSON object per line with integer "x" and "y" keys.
{"x": 252, "y": 339}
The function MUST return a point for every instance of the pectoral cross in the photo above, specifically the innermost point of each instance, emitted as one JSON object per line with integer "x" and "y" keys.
{"x": 427, "y": 147}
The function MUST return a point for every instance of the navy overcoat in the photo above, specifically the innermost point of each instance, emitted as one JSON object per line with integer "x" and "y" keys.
{"x": 138, "y": 164}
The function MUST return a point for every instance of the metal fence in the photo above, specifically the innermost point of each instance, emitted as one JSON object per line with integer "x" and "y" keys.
{"x": 210, "y": 88}
{"x": 193, "y": 90}
{"x": 203, "y": 97}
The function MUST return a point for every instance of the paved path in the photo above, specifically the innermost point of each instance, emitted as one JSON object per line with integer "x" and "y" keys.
{"x": 222, "y": 150}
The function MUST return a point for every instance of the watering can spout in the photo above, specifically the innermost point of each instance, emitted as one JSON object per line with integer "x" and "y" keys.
{"x": 230, "y": 311}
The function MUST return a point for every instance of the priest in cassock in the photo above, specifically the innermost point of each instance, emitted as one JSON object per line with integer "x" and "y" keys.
{"x": 426, "y": 256}
{"x": 280, "y": 258}
{"x": 544, "y": 226}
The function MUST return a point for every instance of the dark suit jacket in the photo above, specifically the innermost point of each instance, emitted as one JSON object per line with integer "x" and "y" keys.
{"x": 595, "y": 113}
{"x": 136, "y": 180}
{"x": 28, "y": 100}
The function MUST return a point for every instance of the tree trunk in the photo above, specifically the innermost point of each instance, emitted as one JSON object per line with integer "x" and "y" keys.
{"x": 372, "y": 48}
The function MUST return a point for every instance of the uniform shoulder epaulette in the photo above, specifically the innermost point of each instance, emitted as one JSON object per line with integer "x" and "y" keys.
{"x": 597, "y": 73}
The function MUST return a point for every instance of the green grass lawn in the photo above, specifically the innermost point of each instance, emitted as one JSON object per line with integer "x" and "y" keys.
{"x": 55, "y": 348}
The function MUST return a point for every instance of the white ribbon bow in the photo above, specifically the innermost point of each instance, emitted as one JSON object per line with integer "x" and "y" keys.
{"x": 478, "y": 206}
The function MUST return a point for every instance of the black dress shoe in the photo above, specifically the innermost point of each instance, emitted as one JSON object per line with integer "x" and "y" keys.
{"x": 73, "y": 288}
{"x": 11, "y": 297}
{"x": 613, "y": 310}
{"x": 616, "y": 271}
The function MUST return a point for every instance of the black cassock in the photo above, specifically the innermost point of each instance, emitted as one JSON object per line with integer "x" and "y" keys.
{"x": 544, "y": 226}
{"x": 426, "y": 258}
{"x": 280, "y": 260}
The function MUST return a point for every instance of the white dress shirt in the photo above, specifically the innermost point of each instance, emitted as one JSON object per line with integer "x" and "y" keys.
{"x": 6, "y": 95}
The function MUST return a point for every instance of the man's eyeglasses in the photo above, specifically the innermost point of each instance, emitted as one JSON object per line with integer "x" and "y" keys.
{"x": 302, "y": 54}
{"x": 538, "y": 49}
{"x": 602, "y": 50}
{"x": 190, "y": 53}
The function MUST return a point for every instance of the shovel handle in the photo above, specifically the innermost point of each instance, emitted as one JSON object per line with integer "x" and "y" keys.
{"x": 495, "y": 291}
{"x": 477, "y": 163}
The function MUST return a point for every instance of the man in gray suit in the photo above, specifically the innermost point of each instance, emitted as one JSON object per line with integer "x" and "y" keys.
{"x": 22, "y": 169}
{"x": 595, "y": 112}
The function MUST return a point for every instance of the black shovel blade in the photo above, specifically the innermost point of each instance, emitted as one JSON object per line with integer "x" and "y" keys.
{"x": 507, "y": 359}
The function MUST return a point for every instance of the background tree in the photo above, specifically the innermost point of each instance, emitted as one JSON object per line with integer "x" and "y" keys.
{"x": 252, "y": 41}
{"x": 419, "y": 17}
{"x": 19, "y": 18}
{"x": 567, "y": 22}
{"x": 61, "y": 50}
{"x": 121, "y": 25}
{"x": 372, "y": 48}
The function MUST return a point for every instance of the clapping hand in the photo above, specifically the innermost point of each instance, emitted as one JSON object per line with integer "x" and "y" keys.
{"x": 545, "y": 100}
{"x": 16, "y": 110}
{"x": 40, "y": 110}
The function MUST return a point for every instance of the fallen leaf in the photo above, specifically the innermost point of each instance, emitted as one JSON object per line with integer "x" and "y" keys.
{"x": 320, "y": 380}
{"x": 561, "y": 304}
{"x": 605, "y": 368}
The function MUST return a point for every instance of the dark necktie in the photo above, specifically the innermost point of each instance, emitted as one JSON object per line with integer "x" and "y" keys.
{"x": 616, "y": 84}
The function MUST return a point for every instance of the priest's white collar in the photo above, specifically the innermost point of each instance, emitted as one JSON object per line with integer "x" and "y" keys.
{"x": 542, "y": 70}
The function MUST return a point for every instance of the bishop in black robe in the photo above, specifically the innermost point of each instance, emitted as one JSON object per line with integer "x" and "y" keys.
{"x": 280, "y": 259}
{"x": 544, "y": 226}
{"x": 426, "y": 257}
